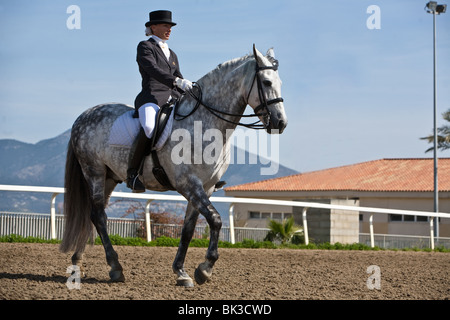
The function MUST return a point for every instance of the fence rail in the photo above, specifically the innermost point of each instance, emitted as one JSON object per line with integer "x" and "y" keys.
{"x": 392, "y": 241}
{"x": 38, "y": 225}
{"x": 54, "y": 228}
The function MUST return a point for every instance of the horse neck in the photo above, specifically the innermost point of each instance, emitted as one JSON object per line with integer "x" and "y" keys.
{"x": 226, "y": 89}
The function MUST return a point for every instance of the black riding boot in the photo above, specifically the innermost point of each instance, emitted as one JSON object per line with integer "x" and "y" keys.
{"x": 137, "y": 154}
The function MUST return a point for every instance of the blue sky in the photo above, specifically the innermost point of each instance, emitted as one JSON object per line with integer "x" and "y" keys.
{"x": 351, "y": 94}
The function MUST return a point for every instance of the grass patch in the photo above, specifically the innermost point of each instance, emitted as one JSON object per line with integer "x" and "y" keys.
{"x": 17, "y": 238}
{"x": 204, "y": 243}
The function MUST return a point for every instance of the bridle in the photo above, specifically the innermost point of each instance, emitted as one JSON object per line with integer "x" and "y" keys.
{"x": 260, "y": 111}
{"x": 264, "y": 106}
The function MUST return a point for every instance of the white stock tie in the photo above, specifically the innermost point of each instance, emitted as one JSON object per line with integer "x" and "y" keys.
{"x": 165, "y": 49}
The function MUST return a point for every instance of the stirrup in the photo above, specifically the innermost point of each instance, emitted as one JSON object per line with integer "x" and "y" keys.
{"x": 135, "y": 184}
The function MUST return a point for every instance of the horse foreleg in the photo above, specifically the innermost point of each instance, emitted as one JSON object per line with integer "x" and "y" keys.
{"x": 200, "y": 201}
{"x": 203, "y": 272}
{"x": 98, "y": 217}
{"x": 186, "y": 236}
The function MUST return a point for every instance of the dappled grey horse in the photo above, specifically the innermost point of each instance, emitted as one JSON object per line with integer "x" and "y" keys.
{"x": 218, "y": 101}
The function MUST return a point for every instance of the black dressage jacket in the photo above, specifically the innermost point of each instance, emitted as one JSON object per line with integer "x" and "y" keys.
{"x": 158, "y": 74}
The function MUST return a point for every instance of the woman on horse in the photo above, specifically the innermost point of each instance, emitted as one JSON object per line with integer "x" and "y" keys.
{"x": 161, "y": 77}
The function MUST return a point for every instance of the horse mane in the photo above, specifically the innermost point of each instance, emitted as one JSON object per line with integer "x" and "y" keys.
{"x": 232, "y": 64}
{"x": 227, "y": 65}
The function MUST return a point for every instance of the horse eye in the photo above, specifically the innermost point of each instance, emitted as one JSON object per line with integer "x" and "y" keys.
{"x": 267, "y": 83}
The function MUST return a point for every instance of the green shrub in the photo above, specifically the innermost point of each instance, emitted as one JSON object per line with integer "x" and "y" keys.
{"x": 167, "y": 242}
{"x": 204, "y": 243}
{"x": 17, "y": 238}
{"x": 199, "y": 243}
{"x": 225, "y": 244}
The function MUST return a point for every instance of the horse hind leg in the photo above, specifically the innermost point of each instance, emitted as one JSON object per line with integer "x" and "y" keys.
{"x": 99, "y": 219}
{"x": 77, "y": 260}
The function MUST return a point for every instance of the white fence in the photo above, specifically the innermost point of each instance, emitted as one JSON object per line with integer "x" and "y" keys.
{"x": 395, "y": 241}
{"x": 232, "y": 201}
{"x": 38, "y": 225}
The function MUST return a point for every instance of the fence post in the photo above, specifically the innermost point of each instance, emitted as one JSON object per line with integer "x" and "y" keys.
{"x": 305, "y": 225}
{"x": 231, "y": 218}
{"x": 432, "y": 232}
{"x": 148, "y": 227}
{"x": 53, "y": 217}
{"x": 372, "y": 238}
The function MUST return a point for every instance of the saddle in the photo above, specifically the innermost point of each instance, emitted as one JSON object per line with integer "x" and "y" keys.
{"x": 158, "y": 170}
{"x": 161, "y": 121}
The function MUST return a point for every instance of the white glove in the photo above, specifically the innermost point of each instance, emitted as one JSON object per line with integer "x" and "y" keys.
{"x": 183, "y": 84}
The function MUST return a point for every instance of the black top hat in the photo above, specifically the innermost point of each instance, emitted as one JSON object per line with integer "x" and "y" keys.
{"x": 160, "y": 16}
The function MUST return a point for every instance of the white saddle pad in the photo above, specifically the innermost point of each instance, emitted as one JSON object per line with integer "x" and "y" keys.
{"x": 126, "y": 128}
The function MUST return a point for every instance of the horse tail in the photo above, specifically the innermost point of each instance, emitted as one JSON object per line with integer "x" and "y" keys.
{"x": 77, "y": 206}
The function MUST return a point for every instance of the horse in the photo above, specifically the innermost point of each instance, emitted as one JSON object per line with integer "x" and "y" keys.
{"x": 94, "y": 168}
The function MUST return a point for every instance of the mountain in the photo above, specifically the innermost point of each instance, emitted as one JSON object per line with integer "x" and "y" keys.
{"x": 43, "y": 163}
{"x": 40, "y": 164}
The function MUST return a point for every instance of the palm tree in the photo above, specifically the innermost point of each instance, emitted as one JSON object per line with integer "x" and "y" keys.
{"x": 285, "y": 231}
{"x": 443, "y": 135}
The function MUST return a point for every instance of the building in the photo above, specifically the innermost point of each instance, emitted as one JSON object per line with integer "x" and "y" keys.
{"x": 405, "y": 184}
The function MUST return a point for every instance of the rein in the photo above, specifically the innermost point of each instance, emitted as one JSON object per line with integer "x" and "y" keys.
{"x": 218, "y": 113}
{"x": 261, "y": 110}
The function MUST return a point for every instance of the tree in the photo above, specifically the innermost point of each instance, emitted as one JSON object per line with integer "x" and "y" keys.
{"x": 285, "y": 231}
{"x": 159, "y": 213}
{"x": 443, "y": 135}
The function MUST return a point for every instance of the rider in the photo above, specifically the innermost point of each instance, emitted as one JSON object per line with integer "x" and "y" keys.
{"x": 161, "y": 74}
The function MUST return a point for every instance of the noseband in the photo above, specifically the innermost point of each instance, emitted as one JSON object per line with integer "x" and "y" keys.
{"x": 260, "y": 111}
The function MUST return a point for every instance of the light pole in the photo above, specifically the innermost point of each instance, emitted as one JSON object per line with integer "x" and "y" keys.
{"x": 435, "y": 9}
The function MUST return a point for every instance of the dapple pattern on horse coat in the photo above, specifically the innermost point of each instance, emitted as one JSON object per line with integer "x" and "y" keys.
{"x": 94, "y": 168}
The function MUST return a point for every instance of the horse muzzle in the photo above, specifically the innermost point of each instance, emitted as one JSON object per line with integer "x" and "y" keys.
{"x": 276, "y": 125}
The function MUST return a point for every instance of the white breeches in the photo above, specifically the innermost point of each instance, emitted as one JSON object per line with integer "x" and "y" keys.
{"x": 147, "y": 118}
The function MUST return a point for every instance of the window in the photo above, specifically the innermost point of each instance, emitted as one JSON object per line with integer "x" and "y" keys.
{"x": 407, "y": 218}
{"x": 269, "y": 215}
{"x": 395, "y": 217}
{"x": 421, "y": 219}
{"x": 255, "y": 215}
{"x": 277, "y": 216}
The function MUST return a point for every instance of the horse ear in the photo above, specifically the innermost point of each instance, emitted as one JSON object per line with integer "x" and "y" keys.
{"x": 270, "y": 53}
{"x": 258, "y": 56}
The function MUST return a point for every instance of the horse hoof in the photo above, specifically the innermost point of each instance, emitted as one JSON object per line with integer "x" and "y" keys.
{"x": 185, "y": 282}
{"x": 117, "y": 276}
{"x": 201, "y": 276}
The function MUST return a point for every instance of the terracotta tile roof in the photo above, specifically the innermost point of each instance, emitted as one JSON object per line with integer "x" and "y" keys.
{"x": 401, "y": 175}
